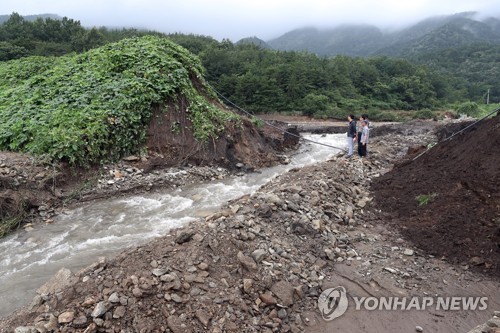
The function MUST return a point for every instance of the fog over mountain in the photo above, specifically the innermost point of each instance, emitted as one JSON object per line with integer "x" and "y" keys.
{"x": 239, "y": 19}
{"x": 428, "y": 35}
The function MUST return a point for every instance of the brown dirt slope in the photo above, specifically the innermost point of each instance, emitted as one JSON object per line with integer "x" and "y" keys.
{"x": 461, "y": 178}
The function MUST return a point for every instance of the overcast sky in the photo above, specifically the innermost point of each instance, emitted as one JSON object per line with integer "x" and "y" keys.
{"x": 235, "y": 19}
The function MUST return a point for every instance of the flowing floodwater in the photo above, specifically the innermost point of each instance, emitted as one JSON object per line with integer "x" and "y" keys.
{"x": 78, "y": 237}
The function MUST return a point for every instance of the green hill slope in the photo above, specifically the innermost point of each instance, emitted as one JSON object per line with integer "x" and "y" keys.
{"x": 97, "y": 105}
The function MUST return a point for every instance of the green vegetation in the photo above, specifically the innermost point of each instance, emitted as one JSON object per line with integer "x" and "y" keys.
{"x": 96, "y": 106}
{"x": 8, "y": 224}
{"x": 48, "y": 36}
{"x": 435, "y": 76}
{"x": 471, "y": 70}
{"x": 263, "y": 81}
{"x": 12, "y": 217}
{"x": 468, "y": 108}
{"x": 425, "y": 199}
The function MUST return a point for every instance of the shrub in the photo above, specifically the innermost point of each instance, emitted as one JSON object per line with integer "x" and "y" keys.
{"x": 470, "y": 109}
{"x": 424, "y": 114}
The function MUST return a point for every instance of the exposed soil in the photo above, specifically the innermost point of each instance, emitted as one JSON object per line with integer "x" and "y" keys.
{"x": 447, "y": 201}
{"x": 171, "y": 136}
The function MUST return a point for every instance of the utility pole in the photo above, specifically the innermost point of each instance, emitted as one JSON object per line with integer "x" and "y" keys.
{"x": 488, "y": 97}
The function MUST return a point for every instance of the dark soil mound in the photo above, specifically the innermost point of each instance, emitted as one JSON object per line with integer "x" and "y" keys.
{"x": 241, "y": 142}
{"x": 447, "y": 201}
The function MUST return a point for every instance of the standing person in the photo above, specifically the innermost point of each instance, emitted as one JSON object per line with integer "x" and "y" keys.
{"x": 363, "y": 117}
{"x": 358, "y": 135}
{"x": 351, "y": 135}
{"x": 365, "y": 135}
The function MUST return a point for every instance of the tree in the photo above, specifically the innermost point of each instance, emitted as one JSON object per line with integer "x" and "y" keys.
{"x": 9, "y": 51}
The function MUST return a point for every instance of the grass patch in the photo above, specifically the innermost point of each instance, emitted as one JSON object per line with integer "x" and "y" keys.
{"x": 12, "y": 215}
{"x": 425, "y": 199}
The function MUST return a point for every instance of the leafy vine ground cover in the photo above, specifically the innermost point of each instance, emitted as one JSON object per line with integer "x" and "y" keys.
{"x": 97, "y": 105}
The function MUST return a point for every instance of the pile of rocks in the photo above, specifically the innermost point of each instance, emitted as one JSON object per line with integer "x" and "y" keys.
{"x": 125, "y": 177}
{"x": 491, "y": 326}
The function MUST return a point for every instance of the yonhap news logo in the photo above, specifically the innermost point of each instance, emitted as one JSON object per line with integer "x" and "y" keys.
{"x": 333, "y": 303}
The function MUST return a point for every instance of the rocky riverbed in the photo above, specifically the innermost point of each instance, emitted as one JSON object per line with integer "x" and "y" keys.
{"x": 261, "y": 262}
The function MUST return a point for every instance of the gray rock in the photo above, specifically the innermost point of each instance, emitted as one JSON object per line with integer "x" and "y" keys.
{"x": 184, "y": 236}
{"x": 66, "y": 317}
{"x": 282, "y": 314}
{"x": 60, "y": 280}
{"x": 408, "y": 252}
{"x": 247, "y": 285}
{"x": 271, "y": 198}
{"x": 119, "y": 312}
{"x": 203, "y": 317}
{"x": 247, "y": 262}
{"x": 131, "y": 158}
{"x": 351, "y": 253}
{"x": 137, "y": 292}
{"x": 114, "y": 298}
{"x": 159, "y": 271}
{"x": 36, "y": 302}
{"x": 177, "y": 326}
{"x": 349, "y": 213}
{"x": 203, "y": 266}
{"x": 195, "y": 291}
{"x": 329, "y": 254}
{"x": 100, "y": 309}
{"x": 284, "y": 291}
{"x": 235, "y": 208}
{"x": 80, "y": 321}
{"x": 176, "y": 298}
{"x": 419, "y": 329}
{"x": 168, "y": 277}
{"x": 259, "y": 254}
{"x": 268, "y": 299}
{"x": 362, "y": 202}
{"x": 25, "y": 329}
{"x": 293, "y": 206}
{"x": 52, "y": 324}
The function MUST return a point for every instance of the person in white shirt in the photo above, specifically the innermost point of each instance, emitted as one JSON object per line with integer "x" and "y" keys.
{"x": 365, "y": 135}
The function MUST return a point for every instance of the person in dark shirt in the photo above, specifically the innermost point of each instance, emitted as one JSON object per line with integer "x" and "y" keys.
{"x": 351, "y": 135}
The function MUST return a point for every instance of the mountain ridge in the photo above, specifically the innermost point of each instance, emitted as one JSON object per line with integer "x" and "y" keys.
{"x": 4, "y": 18}
{"x": 431, "y": 34}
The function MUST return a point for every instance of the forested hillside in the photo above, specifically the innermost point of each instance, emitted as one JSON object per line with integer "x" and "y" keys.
{"x": 462, "y": 47}
{"x": 266, "y": 81}
{"x": 478, "y": 65}
{"x": 263, "y": 80}
{"x": 46, "y": 36}
{"x": 350, "y": 40}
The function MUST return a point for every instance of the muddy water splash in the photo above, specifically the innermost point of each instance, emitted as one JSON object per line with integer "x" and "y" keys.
{"x": 78, "y": 237}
